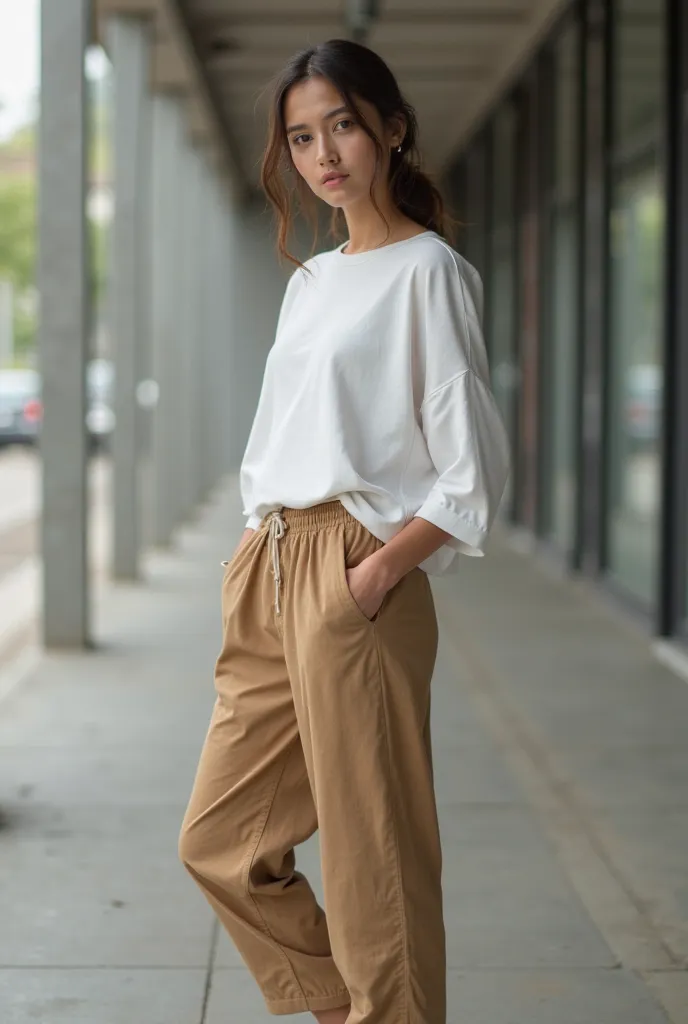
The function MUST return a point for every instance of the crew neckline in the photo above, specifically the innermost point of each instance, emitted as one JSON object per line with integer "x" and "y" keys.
{"x": 358, "y": 257}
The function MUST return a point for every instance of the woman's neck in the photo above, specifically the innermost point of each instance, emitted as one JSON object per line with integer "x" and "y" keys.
{"x": 370, "y": 232}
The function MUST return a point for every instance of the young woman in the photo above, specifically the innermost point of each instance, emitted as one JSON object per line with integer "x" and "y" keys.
{"x": 377, "y": 456}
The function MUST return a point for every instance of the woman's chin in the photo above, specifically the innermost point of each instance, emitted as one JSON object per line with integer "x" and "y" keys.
{"x": 337, "y": 200}
{"x": 331, "y": 198}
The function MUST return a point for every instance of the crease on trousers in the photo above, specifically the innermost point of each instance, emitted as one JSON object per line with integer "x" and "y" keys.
{"x": 322, "y": 721}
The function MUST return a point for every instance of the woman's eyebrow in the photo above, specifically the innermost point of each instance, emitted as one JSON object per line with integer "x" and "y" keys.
{"x": 325, "y": 117}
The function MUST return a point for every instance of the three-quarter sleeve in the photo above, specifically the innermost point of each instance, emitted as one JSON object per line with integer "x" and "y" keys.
{"x": 462, "y": 425}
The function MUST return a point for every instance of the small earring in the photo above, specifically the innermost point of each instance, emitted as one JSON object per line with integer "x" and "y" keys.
{"x": 399, "y": 149}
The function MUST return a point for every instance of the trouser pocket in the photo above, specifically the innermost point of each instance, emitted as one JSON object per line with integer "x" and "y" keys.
{"x": 354, "y": 544}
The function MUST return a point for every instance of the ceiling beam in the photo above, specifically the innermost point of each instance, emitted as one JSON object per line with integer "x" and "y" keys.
{"x": 507, "y": 64}
{"x": 217, "y": 111}
{"x": 488, "y": 16}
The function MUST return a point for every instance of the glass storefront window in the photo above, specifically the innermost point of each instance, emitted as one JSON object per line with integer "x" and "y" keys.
{"x": 636, "y": 292}
{"x": 559, "y": 433}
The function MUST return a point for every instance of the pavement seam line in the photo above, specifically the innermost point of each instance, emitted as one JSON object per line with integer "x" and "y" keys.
{"x": 214, "y": 937}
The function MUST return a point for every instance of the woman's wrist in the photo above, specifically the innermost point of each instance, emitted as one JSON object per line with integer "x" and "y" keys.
{"x": 387, "y": 568}
{"x": 411, "y": 546}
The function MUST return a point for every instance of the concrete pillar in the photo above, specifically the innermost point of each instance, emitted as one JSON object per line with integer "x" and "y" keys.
{"x": 228, "y": 336}
{"x": 146, "y": 390}
{"x": 207, "y": 265}
{"x": 196, "y": 241}
{"x": 257, "y": 284}
{"x": 177, "y": 424}
{"x": 212, "y": 330}
{"x": 63, "y": 281}
{"x": 222, "y": 337}
{"x": 189, "y": 330}
{"x": 128, "y": 41}
{"x": 164, "y": 309}
{"x": 220, "y": 294}
{"x": 202, "y": 431}
{"x": 218, "y": 338}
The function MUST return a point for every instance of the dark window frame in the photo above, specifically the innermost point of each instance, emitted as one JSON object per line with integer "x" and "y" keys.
{"x": 672, "y": 617}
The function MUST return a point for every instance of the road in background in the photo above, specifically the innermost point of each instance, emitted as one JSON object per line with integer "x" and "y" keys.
{"x": 20, "y": 486}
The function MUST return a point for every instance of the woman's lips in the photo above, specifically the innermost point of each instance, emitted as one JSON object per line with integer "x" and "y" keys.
{"x": 335, "y": 182}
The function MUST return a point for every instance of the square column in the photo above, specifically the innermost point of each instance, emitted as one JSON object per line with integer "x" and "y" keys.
{"x": 63, "y": 281}
{"x": 165, "y": 311}
{"x": 129, "y": 49}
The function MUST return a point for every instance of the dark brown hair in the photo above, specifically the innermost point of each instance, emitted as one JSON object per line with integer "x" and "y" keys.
{"x": 354, "y": 70}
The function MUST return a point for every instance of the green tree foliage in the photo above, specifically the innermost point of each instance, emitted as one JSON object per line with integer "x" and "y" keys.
{"x": 99, "y": 241}
{"x": 18, "y": 231}
{"x": 18, "y": 254}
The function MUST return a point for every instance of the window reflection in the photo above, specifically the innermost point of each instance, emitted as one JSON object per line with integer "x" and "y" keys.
{"x": 559, "y": 437}
{"x": 636, "y": 298}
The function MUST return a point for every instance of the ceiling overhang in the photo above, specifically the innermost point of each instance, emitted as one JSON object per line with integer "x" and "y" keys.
{"x": 452, "y": 58}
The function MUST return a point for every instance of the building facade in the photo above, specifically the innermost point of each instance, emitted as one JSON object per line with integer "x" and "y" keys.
{"x": 572, "y": 193}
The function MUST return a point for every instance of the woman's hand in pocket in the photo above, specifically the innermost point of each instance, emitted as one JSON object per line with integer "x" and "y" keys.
{"x": 368, "y": 585}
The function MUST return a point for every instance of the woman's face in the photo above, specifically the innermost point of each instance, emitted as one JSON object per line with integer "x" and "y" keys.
{"x": 324, "y": 137}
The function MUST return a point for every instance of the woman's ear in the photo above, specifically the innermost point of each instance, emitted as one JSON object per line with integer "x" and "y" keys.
{"x": 397, "y": 131}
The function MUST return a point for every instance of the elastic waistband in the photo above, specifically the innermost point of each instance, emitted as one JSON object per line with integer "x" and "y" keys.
{"x": 315, "y": 517}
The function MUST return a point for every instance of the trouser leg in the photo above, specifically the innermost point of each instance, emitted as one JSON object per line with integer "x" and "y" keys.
{"x": 362, "y": 693}
{"x": 252, "y": 803}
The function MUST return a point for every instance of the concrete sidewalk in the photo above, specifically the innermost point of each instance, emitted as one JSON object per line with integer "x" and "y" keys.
{"x": 562, "y": 776}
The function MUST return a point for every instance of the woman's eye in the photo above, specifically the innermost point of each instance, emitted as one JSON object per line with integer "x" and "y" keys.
{"x": 296, "y": 138}
{"x": 344, "y": 120}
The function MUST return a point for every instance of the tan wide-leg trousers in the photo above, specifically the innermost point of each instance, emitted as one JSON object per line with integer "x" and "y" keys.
{"x": 322, "y": 722}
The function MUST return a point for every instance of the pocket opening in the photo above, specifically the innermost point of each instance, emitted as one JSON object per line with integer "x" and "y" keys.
{"x": 347, "y": 596}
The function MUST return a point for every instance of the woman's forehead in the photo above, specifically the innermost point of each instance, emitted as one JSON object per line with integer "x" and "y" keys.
{"x": 312, "y": 96}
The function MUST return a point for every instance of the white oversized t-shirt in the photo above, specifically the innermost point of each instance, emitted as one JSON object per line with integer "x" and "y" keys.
{"x": 376, "y": 392}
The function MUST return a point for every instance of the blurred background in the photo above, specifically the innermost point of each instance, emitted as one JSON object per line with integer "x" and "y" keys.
{"x": 556, "y": 134}
{"x": 139, "y": 291}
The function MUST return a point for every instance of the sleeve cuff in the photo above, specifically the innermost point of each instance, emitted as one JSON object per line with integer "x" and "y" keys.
{"x": 252, "y": 523}
{"x": 466, "y": 538}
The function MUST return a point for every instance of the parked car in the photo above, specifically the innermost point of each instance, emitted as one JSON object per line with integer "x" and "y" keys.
{"x": 21, "y": 410}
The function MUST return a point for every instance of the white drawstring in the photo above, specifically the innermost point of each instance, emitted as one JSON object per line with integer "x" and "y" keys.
{"x": 276, "y": 530}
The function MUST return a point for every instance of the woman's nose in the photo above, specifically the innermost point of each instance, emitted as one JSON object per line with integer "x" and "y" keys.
{"x": 327, "y": 154}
